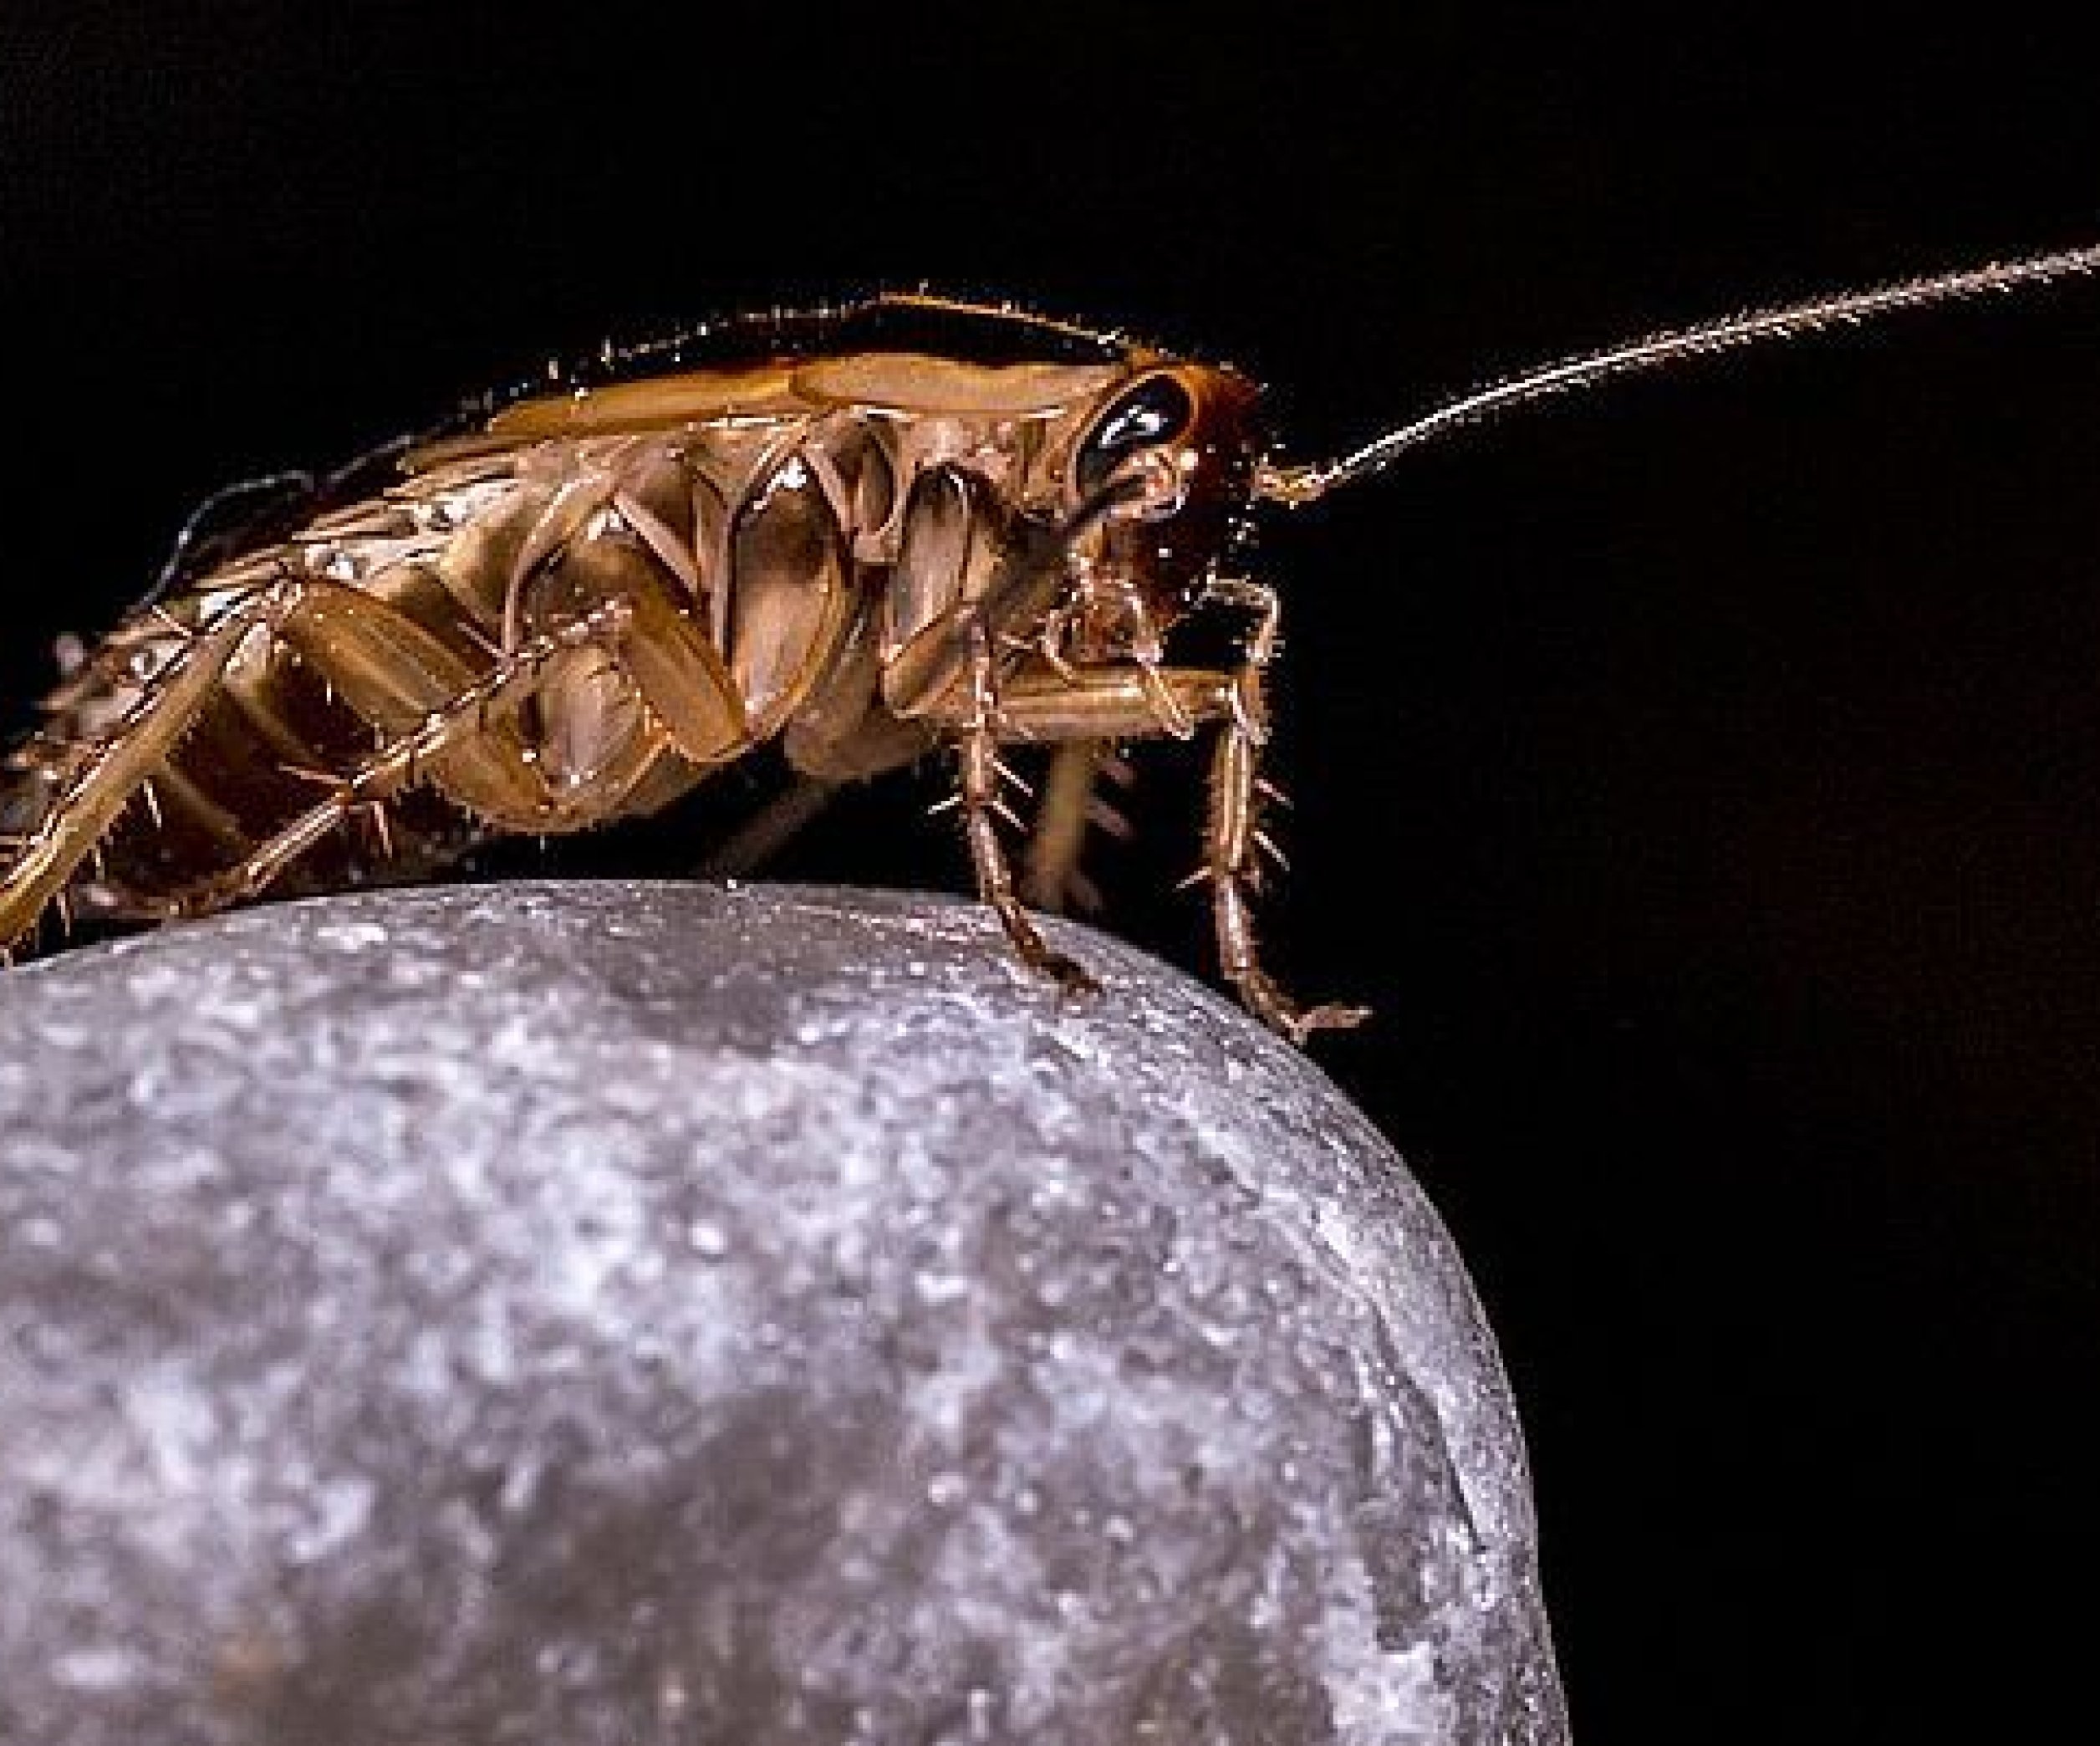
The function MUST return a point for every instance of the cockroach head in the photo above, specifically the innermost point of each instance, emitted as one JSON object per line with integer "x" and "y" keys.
{"x": 1164, "y": 471}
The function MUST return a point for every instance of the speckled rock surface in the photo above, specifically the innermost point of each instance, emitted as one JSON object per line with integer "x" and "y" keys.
{"x": 598, "y": 1315}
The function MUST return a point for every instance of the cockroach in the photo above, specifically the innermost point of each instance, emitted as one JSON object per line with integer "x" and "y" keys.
{"x": 907, "y": 525}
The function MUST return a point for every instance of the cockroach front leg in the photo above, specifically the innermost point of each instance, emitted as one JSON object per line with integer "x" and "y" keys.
{"x": 1233, "y": 840}
{"x": 979, "y": 774}
{"x": 1118, "y": 702}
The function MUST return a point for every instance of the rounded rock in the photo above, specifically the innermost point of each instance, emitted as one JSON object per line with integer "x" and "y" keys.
{"x": 613, "y": 1314}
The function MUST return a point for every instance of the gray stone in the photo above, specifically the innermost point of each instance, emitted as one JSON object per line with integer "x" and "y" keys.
{"x": 595, "y": 1315}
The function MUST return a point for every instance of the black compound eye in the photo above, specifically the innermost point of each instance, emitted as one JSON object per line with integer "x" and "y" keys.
{"x": 1157, "y": 410}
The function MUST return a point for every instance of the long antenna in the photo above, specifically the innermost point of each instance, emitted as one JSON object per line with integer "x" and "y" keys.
{"x": 1302, "y": 484}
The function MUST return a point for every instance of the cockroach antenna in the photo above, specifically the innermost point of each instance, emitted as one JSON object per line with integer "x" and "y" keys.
{"x": 1305, "y": 483}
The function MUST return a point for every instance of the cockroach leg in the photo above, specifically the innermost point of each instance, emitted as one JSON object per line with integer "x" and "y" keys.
{"x": 81, "y": 814}
{"x": 979, "y": 775}
{"x": 1050, "y": 876}
{"x": 1113, "y": 704}
{"x": 395, "y": 767}
{"x": 380, "y": 663}
{"x": 1231, "y": 845}
{"x": 692, "y": 701}
{"x": 1233, "y": 840}
{"x": 767, "y": 831}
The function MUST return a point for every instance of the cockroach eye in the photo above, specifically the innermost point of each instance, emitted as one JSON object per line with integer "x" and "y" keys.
{"x": 1157, "y": 410}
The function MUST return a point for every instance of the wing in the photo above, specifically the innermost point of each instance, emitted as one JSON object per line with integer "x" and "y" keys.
{"x": 900, "y": 356}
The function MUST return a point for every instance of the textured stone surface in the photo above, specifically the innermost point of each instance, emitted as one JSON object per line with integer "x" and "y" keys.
{"x": 607, "y": 1314}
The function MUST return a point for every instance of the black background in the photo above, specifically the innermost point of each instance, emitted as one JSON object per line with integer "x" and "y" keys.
{"x": 1700, "y": 778}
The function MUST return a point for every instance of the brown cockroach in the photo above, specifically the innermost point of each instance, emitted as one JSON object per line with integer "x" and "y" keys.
{"x": 905, "y": 525}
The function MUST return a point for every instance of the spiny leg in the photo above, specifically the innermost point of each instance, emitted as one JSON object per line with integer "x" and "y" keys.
{"x": 390, "y": 670}
{"x": 379, "y": 778}
{"x": 93, "y": 795}
{"x": 679, "y": 680}
{"x": 979, "y": 774}
{"x": 1117, "y": 703}
{"x": 1233, "y": 840}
